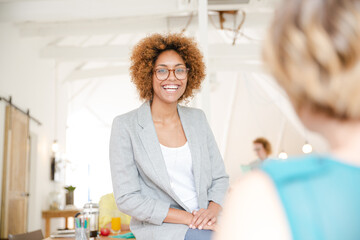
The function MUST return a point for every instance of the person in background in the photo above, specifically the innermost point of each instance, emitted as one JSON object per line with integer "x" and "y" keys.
{"x": 313, "y": 51}
{"x": 108, "y": 209}
{"x": 262, "y": 148}
{"x": 167, "y": 171}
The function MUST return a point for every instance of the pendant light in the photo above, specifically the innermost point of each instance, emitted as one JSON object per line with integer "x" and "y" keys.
{"x": 307, "y": 148}
{"x": 283, "y": 155}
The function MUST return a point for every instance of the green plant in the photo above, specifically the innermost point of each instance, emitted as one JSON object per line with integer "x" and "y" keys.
{"x": 70, "y": 188}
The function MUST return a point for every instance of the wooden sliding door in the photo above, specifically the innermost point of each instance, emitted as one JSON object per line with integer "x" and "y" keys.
{"x": 15, "y": 184}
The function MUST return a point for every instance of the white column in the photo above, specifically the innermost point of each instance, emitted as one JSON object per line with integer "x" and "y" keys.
{"x": 203, "y": 41}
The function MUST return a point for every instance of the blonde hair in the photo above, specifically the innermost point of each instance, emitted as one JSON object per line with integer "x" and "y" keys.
{"x": 313, "y": 50}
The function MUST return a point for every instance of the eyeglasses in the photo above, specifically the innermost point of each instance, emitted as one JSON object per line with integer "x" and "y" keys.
{"x": 164, "y": 73}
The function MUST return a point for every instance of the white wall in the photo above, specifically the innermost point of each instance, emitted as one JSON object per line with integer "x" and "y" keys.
{"x": 91, "y": 114}
{"x": 30, "y": 82}
{"x": 242, "y": 111}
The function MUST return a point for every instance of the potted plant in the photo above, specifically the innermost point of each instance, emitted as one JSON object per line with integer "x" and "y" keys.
{"x": 70, "y": 195}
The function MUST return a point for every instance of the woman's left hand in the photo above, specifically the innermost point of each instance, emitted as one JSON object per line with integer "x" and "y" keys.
{"x": 204, "y": 218}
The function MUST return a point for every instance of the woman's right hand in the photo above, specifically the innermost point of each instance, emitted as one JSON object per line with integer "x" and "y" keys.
{"x": 210, "y": 227}
{"x": 205, "y": 217}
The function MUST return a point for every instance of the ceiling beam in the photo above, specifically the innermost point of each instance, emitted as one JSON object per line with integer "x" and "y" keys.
{"x": 242, "y": 51}
{"x": 67, "y": 53}
{"x": 98, "y": 73}
{"x": 231, "y": 65}
{"x": 122, "y": 25}
{"x": 92, "y": 27}
{"x": 21, "y": 11}
{"x": 122, "y": 52}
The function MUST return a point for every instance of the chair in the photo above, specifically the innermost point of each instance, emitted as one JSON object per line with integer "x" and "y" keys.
{"x": 35, "y": 235}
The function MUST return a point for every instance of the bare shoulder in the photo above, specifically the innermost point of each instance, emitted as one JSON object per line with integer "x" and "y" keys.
{"x": 256, "y": 183}
{"x": 253, "y": 210}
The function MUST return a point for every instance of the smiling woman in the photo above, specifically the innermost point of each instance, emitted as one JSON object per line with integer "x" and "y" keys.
{"x": 167, "y": 171}
{"x": 147, "y": 52}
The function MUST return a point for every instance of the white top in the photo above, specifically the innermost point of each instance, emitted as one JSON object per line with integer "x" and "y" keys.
{"x": 178, "y": 162}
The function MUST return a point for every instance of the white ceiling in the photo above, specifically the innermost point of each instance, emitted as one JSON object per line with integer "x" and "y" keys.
{"x": 96, "y": 36}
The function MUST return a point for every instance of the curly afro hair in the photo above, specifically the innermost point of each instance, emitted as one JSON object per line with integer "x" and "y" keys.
{"x": 146, "y": 52}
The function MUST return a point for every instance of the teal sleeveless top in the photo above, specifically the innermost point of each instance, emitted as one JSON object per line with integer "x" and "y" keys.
{"x": 321, "y": 196}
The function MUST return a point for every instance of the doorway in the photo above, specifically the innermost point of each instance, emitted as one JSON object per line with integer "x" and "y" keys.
{"x": 15, "y": 175}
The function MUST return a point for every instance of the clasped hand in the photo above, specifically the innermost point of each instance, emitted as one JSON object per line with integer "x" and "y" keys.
{"x": 205, "y": 218}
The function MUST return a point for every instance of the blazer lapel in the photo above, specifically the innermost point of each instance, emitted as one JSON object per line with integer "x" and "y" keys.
{"x": 151, "y": 144}
{"x": 194, "y": 144}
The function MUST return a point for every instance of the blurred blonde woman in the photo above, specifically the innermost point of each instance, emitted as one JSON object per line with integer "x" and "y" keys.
{"x": 313, "y": 51}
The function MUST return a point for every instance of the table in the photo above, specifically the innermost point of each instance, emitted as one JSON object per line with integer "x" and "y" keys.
{"x": 98, "y": 238}
{"x": 48, "y": 214}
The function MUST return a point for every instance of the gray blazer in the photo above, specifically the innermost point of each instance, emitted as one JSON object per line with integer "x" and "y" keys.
{"x": 140, "y": 179}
